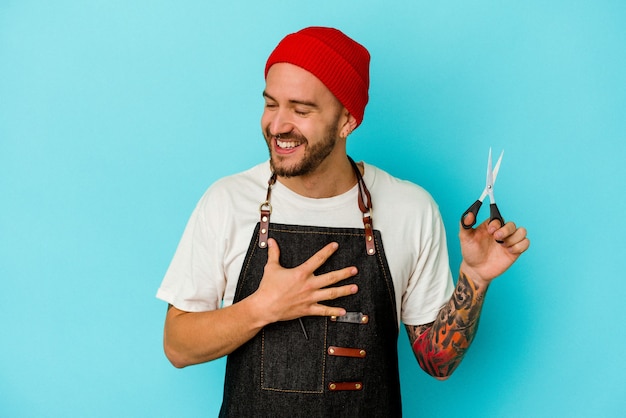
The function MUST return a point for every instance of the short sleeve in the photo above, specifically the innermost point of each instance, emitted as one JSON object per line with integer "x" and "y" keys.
{"x": 430, "y": 284}
{"x": 195, "y": 280}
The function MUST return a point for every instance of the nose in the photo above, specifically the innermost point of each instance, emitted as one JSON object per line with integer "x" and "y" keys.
{"x": 277, "y": 121}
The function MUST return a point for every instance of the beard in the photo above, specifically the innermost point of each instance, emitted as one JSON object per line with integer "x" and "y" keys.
{"x": 314, "y": 154}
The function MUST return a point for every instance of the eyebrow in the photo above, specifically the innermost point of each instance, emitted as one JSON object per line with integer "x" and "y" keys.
{"x": 293, "y": 101}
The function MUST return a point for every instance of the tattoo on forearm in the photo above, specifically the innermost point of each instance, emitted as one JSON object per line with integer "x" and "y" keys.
{"x": 415, "y": 331}
{"x": 439, "y": 347}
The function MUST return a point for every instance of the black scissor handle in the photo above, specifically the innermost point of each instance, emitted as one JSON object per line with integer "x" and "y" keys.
{"x": 474, "y": 210}
{"x": 494, "y": 215}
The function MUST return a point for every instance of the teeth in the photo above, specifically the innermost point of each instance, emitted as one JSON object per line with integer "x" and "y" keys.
{"x": 286, "y": 144}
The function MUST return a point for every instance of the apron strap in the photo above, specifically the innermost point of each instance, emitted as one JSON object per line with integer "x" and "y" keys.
{"x": 266, "y": 211}
{"x": 365, "y": 205}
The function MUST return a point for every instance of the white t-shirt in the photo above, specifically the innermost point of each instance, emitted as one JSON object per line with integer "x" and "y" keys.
{"x": 204, "y": 271}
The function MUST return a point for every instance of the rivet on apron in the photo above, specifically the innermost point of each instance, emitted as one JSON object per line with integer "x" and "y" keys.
{"x": 336, "y": 386}
{"x": 351, "y": 318}
{"x": 346, "y": 352}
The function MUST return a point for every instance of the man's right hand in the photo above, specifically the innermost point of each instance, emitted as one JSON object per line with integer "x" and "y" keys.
{"x": 283, "y": 294}
{"x": 290, "y": 293}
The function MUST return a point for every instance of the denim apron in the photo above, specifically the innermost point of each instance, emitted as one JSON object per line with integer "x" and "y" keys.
{"x": 320, "y": 366}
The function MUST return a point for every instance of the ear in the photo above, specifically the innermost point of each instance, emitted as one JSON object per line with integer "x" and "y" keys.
{"x": 349, "y": 126}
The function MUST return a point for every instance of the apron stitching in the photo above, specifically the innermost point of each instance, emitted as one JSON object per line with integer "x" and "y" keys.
{"x": 292, "y": 231}
{"x": 293, "y": 391}
{"x": 263, "y": 387}
{"x": 324, "y": 355}
{"x": 262, "y": 359}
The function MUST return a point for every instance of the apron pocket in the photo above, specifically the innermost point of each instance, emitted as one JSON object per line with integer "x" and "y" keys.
{"x": 289, "y": 361}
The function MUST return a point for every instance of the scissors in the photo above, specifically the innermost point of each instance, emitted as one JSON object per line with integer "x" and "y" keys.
{"x": 492, "y": 173}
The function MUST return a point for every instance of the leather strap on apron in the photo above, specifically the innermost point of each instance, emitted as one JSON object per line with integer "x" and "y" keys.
{"x": 365, "y": 205}
{"x": 266, "y": 211}
{"x": 345, "y": 366}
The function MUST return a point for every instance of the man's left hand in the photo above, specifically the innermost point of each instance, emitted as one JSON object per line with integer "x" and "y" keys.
{"x": 490, "y": 249}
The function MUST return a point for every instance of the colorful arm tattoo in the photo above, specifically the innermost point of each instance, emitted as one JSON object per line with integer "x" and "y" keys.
{"x": 440, "y": 346}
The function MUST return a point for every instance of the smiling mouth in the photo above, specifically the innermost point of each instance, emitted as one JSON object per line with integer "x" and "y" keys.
{"x": 287, "y": 144}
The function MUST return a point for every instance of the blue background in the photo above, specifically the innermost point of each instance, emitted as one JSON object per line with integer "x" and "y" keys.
{"x": 116, "y": 115}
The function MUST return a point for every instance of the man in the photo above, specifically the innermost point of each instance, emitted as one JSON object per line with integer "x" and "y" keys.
{"x": 286, "y": 268}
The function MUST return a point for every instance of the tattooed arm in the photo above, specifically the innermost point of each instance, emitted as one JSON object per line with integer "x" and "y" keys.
{"x": 488, "y": 251}
{"x": 440, "y": 346}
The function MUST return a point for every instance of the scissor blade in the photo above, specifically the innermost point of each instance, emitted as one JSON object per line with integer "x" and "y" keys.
{"x": 497, "y": 167}
{"x": 489, "y": 181}
{"x": 492, "y": 174}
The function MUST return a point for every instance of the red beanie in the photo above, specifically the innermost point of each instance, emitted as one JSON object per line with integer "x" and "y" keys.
{"x": 336, "y": 60}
